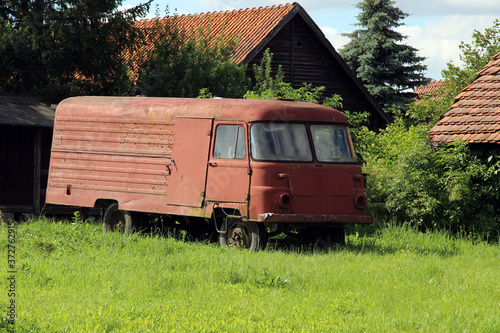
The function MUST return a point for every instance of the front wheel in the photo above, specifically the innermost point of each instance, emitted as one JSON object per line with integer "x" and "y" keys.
{"x": 117, "y": 220}
{"x": 242, "y": 234}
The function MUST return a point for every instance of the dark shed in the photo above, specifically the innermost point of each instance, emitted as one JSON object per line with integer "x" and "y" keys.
{"x": 25, "y": 139}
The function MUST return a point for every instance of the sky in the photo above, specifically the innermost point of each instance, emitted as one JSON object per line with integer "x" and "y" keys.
{"x": 434, "y": 27}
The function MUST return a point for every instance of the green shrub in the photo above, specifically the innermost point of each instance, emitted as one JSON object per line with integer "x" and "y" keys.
{"x": 432, "y": 187}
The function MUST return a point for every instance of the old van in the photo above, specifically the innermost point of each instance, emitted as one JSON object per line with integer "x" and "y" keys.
{"x": 248, "y": 167}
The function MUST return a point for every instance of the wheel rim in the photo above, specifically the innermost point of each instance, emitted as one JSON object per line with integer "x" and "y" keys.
{"x": 117, "y": 221}
{"x": 240, "y": 235}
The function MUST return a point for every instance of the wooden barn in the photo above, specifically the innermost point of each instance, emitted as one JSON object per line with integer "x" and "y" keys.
{"x": 297, "y": 43}
{"x": 25, "y": 139}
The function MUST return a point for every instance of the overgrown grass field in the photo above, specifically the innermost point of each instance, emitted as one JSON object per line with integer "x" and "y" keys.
{"x": 73, "y": 278}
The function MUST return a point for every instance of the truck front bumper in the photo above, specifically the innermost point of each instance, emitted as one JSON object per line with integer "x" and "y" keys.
{"x": 307, "y": 218}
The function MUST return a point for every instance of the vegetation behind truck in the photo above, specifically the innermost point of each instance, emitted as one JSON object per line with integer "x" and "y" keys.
{"x": 242, "y": 167}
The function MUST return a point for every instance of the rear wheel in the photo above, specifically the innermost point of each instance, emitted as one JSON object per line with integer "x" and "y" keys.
{"x": 117, "y": 220}
{"x": 242, "y": 234}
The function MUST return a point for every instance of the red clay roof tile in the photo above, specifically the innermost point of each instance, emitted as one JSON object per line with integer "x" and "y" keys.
{"x": 475, "y": 115}
{"x": 429, "y": 88}
{"x": 249, "y": 26}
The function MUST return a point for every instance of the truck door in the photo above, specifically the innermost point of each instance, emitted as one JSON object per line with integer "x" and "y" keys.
{"x": 228, "y": 177}
{"x": 188, "y": 167}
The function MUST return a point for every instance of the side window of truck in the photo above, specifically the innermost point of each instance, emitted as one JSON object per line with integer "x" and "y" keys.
{"x": 229, "y": 142}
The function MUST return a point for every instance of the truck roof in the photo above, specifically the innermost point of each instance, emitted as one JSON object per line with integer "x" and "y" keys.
{"x": 166, "y": 108}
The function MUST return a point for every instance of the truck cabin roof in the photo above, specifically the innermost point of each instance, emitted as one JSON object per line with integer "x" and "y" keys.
{"x": 166, "y": 108}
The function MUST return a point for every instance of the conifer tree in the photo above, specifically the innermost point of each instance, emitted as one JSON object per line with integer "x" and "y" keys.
{"x": 389, "y": 69}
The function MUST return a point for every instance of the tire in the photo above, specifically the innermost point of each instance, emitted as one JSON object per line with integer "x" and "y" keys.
{"x": 264, "y": 237}
{"x": 117, "y": 220}
{"x": 242, "y": 234}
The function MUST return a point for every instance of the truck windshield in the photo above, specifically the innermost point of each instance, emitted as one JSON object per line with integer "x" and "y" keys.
{"x": 280, "y": 142}
{"x": 331, "y": 143}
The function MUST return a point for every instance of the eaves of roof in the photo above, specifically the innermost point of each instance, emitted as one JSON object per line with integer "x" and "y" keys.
{"x": 429, "y": 88}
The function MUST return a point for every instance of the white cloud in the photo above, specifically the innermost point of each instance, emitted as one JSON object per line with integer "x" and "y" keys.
{"x": 420, "y": 8}
{"x": 449, "y": 7}
{"x": 335, "y": 38}
{"x": 439, "y": 40}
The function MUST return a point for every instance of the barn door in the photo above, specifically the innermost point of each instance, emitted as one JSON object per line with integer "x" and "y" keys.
{"x": 190, "y": 150}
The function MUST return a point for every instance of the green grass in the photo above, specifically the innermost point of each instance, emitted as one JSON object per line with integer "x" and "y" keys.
{"x": 73, "y": 278}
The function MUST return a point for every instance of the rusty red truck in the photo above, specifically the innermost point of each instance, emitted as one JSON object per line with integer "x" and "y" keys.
{"x": 245, "y": 167}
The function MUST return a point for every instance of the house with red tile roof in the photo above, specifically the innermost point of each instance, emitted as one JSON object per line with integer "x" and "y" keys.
{"x": 297, "y": 44}
{"x": 475, "y": 115}
{"x": 430, "y": 88}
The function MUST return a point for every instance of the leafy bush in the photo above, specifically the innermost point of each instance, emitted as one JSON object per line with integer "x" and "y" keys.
{"x": 446, "y": 187}
{"x": 184, "y": 63}
{"x": 436, "y": 187}
{"x": 269, "y": 87}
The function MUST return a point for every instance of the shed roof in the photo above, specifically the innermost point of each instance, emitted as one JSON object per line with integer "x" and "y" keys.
{"x": 475, "y": 115}
{"x": 25, "y": 110}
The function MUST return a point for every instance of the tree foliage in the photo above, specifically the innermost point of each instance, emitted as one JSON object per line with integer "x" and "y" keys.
{"x": 388, "y": 68}
{"x": 474, "y": 56}
{"x": 268, "y": 87}
{"x": 432, "y": 187}
{"x": 65, "y": 47}
{"x": 453, "y": 187}
{"x": 185, "y": 64}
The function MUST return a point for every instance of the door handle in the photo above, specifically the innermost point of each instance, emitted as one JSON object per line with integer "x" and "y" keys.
{"x": 212, "y": 164}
